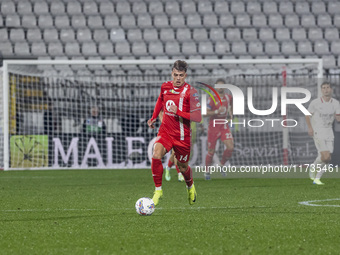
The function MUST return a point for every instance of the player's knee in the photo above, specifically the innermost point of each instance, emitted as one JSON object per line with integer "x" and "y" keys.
{"x": 211, "y": 151}
{"x": 230, "y": 147}
{"x": 157, "y": 154}
{"x": 326, "y": 158}
{"x": 182, "y": 167}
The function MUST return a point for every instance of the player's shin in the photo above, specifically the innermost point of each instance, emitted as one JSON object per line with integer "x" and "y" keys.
{"x": 177, "y": 169}
{"x": 312, "y": 170}
{"x": 157, "y": 172}
{"x": 208, "y": 159}
{"x": 317, "y": 161}
{"x": 188, "y": 177}
{"x": 321, "y": 171}
{"x": 170, "y": 163}
{"x": 180, "y": 176}
{"x": 226, "y": 156}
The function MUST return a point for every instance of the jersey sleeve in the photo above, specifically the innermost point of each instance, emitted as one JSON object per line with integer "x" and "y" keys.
{"x": 230, "y": 100}
{"x": 337, "y": 108}
{"x": 159, "y": 105}
{"x": 195, "y": 104}
{"x": 210, "y": 104}
{"x": 311, "y": 107}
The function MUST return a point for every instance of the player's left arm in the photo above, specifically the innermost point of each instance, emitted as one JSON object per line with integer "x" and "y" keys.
{"x": 156, "y": 111}
{"x": 230, "y": 108}
{"x": 337, "y": 112}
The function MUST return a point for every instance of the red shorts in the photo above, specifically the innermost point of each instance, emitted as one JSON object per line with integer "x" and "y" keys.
{"x": 181, "y": 148}
{"x": 215, "y": 134}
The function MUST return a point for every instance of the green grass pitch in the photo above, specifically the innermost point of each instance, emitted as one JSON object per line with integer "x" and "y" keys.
{"x": 92, "y": 212}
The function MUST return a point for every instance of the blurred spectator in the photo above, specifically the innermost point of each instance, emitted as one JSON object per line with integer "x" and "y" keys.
{"x": 94, "y": 126}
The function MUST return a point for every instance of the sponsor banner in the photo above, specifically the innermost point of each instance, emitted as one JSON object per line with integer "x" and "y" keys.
{"x": 117, "y": 151}
{"x": 29, "y": 151}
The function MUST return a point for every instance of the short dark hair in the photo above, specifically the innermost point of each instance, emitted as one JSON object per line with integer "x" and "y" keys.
{"x": 221, "y": 80}
{"x": 326, "y": 83}
{"x": 180, "y": 65}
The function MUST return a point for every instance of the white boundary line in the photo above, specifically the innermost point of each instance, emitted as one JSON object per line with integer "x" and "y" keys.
{"x": 311, "y": 203}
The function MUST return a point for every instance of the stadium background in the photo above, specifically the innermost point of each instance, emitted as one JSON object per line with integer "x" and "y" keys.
{"x": 93, "y": 30}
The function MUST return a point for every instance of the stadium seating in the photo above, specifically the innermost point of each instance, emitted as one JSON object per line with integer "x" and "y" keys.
{"x": 249, "y": 34}
{"x": 183, "y": 35}
{"x": 150, "y": 34}
{"x": 40, "y": 8}
{"x": 106, "y": 8}
{"x": 105, "y": 49}
{"x": 34, "y": 35}
{"x": 50, "y": 35}
{"x": 148, "y": 28}
{"x": 57, "y": 8}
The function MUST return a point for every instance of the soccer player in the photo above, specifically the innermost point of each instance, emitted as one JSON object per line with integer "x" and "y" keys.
{"x": 219, "y": 131}
{"x": 94, "y": 126}
{"x": 181, "y": 106}
{"x": 172, "y": 160}
{"x": 324, "y": 110}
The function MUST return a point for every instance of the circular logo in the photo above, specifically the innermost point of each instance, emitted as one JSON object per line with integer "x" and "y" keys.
{"x": 168, "y": 104}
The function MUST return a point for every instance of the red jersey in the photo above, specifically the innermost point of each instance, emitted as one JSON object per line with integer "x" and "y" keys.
{"x": 186, "y": 99}
{"x": 227, "y": 101}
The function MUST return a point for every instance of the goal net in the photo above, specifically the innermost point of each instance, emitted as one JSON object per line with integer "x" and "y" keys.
{"x": 92, "y": 113}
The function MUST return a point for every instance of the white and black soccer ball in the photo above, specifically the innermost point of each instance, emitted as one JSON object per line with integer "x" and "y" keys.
{"x": 145, "y": 206}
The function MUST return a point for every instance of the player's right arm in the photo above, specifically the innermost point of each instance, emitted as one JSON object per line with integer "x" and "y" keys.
{"x": 311, "y": 109}
{"x": 309, "y": 124}
{"x": 215, "y": 112}
{"x": 156, "y": 111}
{"x": 212, "y": 109}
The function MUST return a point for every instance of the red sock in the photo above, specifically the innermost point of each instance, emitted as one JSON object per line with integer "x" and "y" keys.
{"x": 188, "y": 177}
{"x": 157, "y": 171}
{"x": 226, "y": 155}
{"x": 177, "y": 169}
{"x": 170, "y": 163}
{"x": 208, "y": 159}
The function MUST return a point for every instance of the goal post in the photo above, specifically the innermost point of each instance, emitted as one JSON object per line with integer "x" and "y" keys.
{"x": 124, "y": 93}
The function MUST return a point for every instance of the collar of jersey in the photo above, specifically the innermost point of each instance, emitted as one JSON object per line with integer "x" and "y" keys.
{"x": 177, "y": 88}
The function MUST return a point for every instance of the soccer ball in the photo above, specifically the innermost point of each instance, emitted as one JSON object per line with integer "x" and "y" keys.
{"x": 145, "y": 206}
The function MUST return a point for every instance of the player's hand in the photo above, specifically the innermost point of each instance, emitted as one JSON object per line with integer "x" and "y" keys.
{"x": 310, "y": 131}
{"x": 151, "y": 123}
{"x": 222, "y": 110}
{"x": 173, "y": 109}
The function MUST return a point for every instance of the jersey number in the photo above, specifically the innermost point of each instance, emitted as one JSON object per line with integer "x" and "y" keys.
{"x": 183, "y": 158}
{"x": 228, "y": 135}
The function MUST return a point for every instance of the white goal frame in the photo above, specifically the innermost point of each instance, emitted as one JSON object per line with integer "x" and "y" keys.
{"x": 6, "y": 63}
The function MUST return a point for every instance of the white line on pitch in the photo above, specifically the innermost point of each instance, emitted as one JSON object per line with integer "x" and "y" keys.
{"x": 311, "y": 202}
